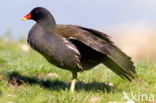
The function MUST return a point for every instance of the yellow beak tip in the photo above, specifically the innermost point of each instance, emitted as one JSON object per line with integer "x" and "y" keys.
{"x": 23, "y": 19}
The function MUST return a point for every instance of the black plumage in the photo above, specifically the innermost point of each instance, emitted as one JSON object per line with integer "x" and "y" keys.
{"x": 76, "y": 48}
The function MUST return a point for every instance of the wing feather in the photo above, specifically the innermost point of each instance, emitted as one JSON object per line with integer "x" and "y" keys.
{"x": 114, "y": 58}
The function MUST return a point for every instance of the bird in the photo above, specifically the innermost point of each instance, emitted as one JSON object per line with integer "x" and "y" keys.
{"x": 75, "y": 48}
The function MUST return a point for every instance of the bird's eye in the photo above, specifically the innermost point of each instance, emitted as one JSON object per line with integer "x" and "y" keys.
{"x": 37, "y": 12}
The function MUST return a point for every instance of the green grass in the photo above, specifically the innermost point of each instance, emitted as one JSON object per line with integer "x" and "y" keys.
{"x": 24, "y": 79}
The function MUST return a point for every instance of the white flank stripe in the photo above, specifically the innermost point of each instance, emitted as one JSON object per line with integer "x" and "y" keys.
{"x": 71, "y": 47}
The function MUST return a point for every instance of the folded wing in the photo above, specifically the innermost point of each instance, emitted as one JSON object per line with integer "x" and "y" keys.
{"x": 114, "y": 58}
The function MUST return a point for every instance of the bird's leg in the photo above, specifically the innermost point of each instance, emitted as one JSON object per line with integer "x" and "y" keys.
{"x": 72, "y": 87}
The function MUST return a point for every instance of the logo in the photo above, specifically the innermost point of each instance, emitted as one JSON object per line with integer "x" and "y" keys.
{"x": 138, "y": 97}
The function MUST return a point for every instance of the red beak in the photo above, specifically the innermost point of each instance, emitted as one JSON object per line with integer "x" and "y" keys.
{"x": 27, "y": 17}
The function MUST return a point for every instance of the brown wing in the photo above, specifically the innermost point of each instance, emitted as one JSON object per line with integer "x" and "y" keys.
{"x": 114, "y": 58}
{"x": 86, "y": 37}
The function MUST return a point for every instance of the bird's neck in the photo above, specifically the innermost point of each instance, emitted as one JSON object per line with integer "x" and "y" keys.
{"x": 47, "y": 23}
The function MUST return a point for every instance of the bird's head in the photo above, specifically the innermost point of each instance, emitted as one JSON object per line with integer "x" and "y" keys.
{"x": 38, "y": 14}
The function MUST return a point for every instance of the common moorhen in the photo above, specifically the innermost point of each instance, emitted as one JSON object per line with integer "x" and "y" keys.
{"x": 75, "y": 48}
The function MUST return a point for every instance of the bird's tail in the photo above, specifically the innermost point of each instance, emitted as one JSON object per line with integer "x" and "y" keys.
{"x": 120, "y": 63}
